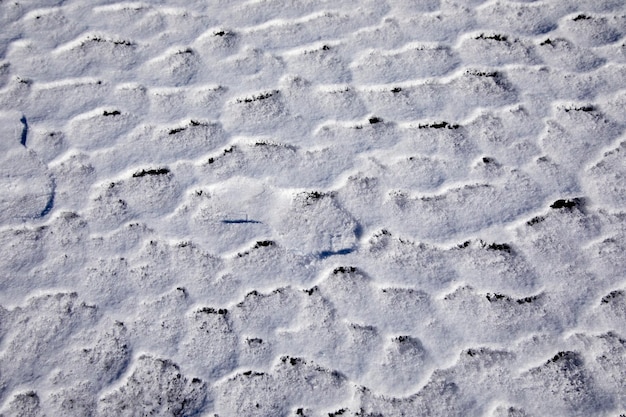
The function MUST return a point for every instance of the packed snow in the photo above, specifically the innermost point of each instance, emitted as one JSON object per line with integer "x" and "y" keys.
{"x": 313, "y": 208}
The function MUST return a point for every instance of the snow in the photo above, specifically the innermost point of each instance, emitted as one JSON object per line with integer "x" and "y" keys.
{"x": 313, "y": 208}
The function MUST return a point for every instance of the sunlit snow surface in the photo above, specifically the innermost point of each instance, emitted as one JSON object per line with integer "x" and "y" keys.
{"x": 313, "y": 208}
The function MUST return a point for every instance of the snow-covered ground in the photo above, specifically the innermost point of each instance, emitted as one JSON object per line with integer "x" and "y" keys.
{"x": 313, "y": 208}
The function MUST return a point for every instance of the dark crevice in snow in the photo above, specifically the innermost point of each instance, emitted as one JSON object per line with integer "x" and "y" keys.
{"x": 24, "y": 131}
{"x": 328, "y": 253}
{"x": 578, "y": 203}
{"x": 240, "y": 221}
{"x": 151, "y": 172}
{"x": 50, "y": 204}
{"x": 496, "y": 37}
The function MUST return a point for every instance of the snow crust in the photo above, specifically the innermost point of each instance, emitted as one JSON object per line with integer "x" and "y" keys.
{"x": 313, "y": 208}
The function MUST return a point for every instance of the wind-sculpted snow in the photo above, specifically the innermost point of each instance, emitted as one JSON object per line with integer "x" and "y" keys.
{"x": 313, "y": 208}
